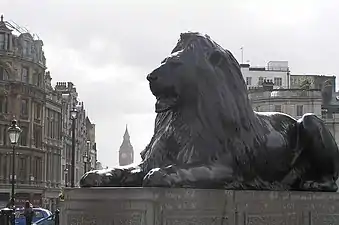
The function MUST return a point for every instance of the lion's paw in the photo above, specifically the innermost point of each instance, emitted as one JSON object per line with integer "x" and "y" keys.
{"x": 157, "y": 178}
{"x": 100, "y": 178}
{"x": 320, "y": 186}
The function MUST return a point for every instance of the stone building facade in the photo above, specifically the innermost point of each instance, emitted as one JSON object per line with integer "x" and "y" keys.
{"x": 276, "y": 72}
{"x": 53, "y": 143}
{"x": 81, "y": 141}
{"x": 69, "y": 100}
{"x": 297, "y": 102}
{"x": 91, "y": 146}
{"x": 310, "y": 81}
{"x": 43, "y": 158}
{"x": 84, "y": 134}
{"x": 23, "y": 96}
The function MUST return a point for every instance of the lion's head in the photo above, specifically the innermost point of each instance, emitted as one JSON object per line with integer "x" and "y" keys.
{"x": 197, "y": 70}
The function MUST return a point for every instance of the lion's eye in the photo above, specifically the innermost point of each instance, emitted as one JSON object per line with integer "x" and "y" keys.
{"x": 175, "y": 63}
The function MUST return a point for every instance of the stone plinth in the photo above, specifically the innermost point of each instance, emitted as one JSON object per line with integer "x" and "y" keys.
{"x": 161, "y": 206}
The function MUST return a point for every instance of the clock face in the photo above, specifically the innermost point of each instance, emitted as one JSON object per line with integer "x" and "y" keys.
{"x": 123, "y": 155}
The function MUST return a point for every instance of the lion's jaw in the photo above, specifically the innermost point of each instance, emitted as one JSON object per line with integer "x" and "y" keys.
{"x": 167, "y": 97}
{"x": 165, "y": 104}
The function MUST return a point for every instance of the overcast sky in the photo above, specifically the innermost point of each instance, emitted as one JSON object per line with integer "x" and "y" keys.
{"x": 107, "y": 47}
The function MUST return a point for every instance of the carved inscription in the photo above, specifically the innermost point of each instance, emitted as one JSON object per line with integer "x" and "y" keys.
{"x": 197, "y": 221}
{"x": 128, "y": 220}
{"x": 79, "y": 219}
{"x": 278, "y": 219}
{"x": 115, "y": 219}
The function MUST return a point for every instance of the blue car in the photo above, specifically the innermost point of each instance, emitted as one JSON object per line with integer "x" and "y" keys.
{"x": 39, "y": 213}
{"x": 51, "y": 220}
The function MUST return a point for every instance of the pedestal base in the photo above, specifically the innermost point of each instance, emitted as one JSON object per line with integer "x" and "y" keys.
{"x": 161, "y": 206}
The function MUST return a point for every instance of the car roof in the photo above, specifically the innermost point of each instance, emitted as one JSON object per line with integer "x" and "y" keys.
{"x": 36, "y": 209}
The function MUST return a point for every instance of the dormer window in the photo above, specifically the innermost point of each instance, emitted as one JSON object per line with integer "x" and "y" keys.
{"x": 26, "y": 48}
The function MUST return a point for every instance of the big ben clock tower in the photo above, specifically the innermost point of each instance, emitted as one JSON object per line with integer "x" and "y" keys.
{"x": 126, "y": 152}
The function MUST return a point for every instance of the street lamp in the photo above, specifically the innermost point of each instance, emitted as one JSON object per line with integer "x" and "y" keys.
{"x": 13, "y": 133}
{"x": 73, "y": 118}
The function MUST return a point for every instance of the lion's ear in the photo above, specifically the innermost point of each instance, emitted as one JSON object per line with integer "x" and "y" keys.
{"x": 216, "y": 58}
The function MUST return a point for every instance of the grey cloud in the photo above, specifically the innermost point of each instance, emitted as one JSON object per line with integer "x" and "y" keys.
{"x": 139, "y": 34}
{"x": 120, "y": 97}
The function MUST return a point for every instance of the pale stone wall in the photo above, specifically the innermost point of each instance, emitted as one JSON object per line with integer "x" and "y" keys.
{"x": 159, "y": 206}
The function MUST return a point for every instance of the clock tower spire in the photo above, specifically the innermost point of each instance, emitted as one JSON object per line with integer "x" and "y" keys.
{"x": 126, "y": 152}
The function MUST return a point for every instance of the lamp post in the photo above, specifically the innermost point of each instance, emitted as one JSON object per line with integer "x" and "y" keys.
{"x": 87, "y": 157}
{"x": 13, "y": 133}
{"x": 73, "y": 118}
{"x": 66, "y": 176}
{"x": 85, "y": 162}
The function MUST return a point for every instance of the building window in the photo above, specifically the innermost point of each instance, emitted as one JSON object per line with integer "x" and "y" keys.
{"x": 300, "y": 110}
{"x": 248, "y": 80}
{"x": 292, "y": 80}
{"x": 36, "y": 78}
{"x": 3, "y": 105}
{"x": 3, "y": 74}
{"x": 37, "y": 111}
{"x": 22, "y": 169}
{"x": 24, "y": 107}
{"x": 261, "y": 80}
{"x": 24, "y": 74}
{"x": 2, "y": 41}
{"x": 37, "y": 169}
{"x": 37, "y": 136}
{"x": 5, "y": 137}
{"x": 278, "y": 81}
{"x": 47, "y": 123}
{"x": 40, "y": 80}
{"x": 277, "y": 108}
{"x": 23, "y": 136}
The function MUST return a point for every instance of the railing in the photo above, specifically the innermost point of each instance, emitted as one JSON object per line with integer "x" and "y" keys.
{"x": 285, "y": 94}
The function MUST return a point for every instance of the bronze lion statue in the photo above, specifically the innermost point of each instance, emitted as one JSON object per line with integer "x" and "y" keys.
{"x": 206, "y": 134}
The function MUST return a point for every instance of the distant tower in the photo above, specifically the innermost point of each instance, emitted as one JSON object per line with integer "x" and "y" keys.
{"x": 126, "y": 152}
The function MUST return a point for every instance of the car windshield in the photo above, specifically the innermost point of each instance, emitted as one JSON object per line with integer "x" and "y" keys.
{"x": 20, "y": 214}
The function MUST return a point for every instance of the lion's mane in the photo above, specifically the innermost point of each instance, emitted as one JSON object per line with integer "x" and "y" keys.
{"x": 221, "y": 122}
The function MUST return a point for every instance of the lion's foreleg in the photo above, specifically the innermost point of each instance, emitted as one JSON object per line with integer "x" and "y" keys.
{"x": 202, "y": 176}
{"x": 129, "y": 176}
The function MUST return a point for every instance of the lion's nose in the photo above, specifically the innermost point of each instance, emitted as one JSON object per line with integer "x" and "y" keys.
{"x": 151, "y": 77}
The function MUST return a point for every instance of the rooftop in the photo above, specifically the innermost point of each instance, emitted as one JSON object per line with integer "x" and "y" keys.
{"x": 11, "y": 26}
{"x": 278, "y": 66}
